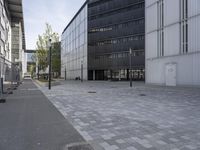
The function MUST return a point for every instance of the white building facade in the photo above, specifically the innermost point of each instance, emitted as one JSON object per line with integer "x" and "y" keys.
{"x": 5, "y": 32}
{"x": 74, "y": 47}
{"x": 172, "y": 42}
{"x": 12, "y": 36}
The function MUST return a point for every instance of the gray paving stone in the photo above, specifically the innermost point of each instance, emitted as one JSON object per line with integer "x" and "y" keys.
{"x": 166, "y": 118}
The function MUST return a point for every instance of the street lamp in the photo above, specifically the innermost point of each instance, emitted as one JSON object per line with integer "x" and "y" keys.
{"x": 49, "y": 46}
{"x": 2, "y": 63}
{"x": 81, "y": 71}
{"x": 130, "y": 63}
{"x": 65, "y": 73}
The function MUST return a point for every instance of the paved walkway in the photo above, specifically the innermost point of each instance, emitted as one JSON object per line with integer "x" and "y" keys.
{"x": 112, "y": 116}
{"x": 28, "y": 121}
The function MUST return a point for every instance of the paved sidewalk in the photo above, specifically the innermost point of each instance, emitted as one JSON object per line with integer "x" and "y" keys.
{"x": 28, "y": 121}
{"x": 113, "y": 116}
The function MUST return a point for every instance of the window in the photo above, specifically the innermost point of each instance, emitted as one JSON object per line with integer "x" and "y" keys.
{"x": 137, "y": 5}
{"x": 160, "y": 28}
{"x": 119, "y": 40}
{"x": 184, "y": 26}
{"x": 118, "y": 26}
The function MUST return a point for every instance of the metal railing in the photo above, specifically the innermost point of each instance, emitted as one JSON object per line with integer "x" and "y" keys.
{"x": 10, "y": 77}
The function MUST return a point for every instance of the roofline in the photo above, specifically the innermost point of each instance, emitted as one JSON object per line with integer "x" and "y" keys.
{"x": 23, "y": 28}
{"x": 86, "y": 2}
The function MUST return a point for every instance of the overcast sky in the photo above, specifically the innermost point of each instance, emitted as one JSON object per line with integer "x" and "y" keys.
{"x": 57, "y": 13}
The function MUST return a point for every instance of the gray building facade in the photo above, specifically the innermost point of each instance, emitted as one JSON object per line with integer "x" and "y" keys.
{"x": 103, "y": 32}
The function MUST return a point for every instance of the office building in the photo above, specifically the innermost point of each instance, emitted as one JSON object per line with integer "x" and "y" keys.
{"x": 95, "y": 45}
{"x": 12, "y": 41}
{"x": 172, "y": 42}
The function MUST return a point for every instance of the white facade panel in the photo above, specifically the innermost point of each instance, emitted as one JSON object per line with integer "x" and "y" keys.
{"x": 188, "y": 71}
{"x": 196, "y": 70}
{"x": 186, "y": 59}
{"x": 151, "y": 45}
{"x": 155, "y": 72}
{"x": 150, "y": 2}
{"x": 3, "y": 38}
{"x": 171, "y": 11}
{"x": 3, "y": 22}
{"x": 172, "y": 40}
{"x": 151, "y": 18}
{"x": 193, "y": 7}
{"x": 194, "y": 34}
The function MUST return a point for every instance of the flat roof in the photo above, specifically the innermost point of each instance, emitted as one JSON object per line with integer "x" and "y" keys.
{"x": 16, "y": 13}
{"x": 75, "y": 16}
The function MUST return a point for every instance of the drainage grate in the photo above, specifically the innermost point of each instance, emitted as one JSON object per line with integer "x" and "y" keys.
{"x": 142, "y": 95}
{"x": 113, "y": 87}
{"x": 92, "y": 92}
{"x": 79, "y": 146}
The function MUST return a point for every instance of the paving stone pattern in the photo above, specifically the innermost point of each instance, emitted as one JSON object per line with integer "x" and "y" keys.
{"x": 118, "y": 117}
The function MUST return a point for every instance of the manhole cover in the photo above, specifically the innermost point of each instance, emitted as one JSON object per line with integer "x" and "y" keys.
{"x": 79, "y": 146}
{"x": 142, "y": 94}
{"x": 113, "y": 87}
{"x": 92, "y": 92}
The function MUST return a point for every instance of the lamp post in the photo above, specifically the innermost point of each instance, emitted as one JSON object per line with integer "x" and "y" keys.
{"x": 2, "y": 63}
{"x": 81, "y": 71}
{"x": 130, "y": 63}
{"x": 49, "y": 45}
{"x": 65, "y": 73}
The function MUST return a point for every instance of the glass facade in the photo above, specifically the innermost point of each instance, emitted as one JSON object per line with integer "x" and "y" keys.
{"x": 114, "y": 27}
{"x": 74, "y": 46}
{"x": 98, "y": 39}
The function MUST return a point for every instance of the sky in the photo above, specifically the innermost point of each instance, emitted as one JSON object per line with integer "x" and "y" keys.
{"x": 58, "y": 13}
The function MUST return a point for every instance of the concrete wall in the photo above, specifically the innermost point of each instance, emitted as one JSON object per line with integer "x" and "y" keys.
{"x": 188, "y": 70}
{"x": 74, "y": 47}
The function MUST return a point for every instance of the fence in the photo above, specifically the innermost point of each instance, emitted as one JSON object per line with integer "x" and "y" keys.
{"x": 10, "y": 77}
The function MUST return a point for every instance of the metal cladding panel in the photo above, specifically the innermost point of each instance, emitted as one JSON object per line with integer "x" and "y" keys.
{"x": 172, "y": 40}
{"x": 111, "y": 19}
{"x": 151, "y": 18}
{"x": 188, "y": 70}
{"x": 171, "y": 11}
{"x": 194, "y": 34}
{"x": 193, "y": 7}
{"x": 150, "y": 2}
{"x": 116, "y": 18}
{"x": 151, "y": 45}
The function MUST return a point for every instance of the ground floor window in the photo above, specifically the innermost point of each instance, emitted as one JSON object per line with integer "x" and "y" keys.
{"x": 117, "y": 74}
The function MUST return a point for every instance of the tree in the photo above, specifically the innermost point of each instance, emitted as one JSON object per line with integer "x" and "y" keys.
{"x": 31, "y": 69}
{"x": 42, "y": 46}
{"x": 56, "y": 60}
